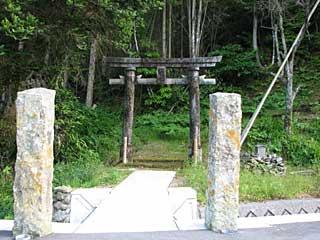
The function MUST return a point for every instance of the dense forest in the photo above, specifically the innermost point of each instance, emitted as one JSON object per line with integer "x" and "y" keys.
{"x": 62, "y": 44}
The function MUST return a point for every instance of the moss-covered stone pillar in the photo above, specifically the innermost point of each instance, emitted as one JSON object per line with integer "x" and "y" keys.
{"x": 34, "y": 164}
{"x": 224, "y": 162}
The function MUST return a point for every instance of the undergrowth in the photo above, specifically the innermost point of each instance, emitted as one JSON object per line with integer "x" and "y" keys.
{"x": 255, "y": 187}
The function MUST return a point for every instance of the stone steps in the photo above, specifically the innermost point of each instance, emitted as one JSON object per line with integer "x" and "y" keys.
{"x": 155, "y": 164}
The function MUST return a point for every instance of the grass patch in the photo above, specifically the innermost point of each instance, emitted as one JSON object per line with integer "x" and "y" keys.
{"x": 72, "y": 174}
{"x": 195, "y": 177}
{"x": 85, "y": 176}
{"x": 6, "y": 193}
{"x": 254, "y": 187}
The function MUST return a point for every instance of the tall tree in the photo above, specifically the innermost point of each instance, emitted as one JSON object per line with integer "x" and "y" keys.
{"x": 164, "y": 29}
{"x": 255, "y": 34}
{"x": 170, "y": 30}
{"x": 197, "y": 11}
{"x": 196, "y": 18}
{"x": 92, "y": 69}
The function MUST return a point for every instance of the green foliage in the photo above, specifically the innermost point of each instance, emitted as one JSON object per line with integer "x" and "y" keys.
{"x": 19, "y": 26}
{"x": 302, "y": 150}
{"x": 160, "y": 99}
{"x": 265, "y": 133}
{"x": 78, "y": 172}
{"x": 6, "y": 193}
{"x": 80, "y": 129}
{"x": 88, "y": 171}
{"x": 237, "y": 64}
{"x": 7, "y": 139}
{"x": 308, "y": 128}
{"x": 169, "y": 125}
{"x": 148, "y": 72}
{"x": 196, "y": 177}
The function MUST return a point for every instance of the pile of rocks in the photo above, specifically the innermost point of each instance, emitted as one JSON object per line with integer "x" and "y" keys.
{"x": 61, "y": 204}
{"x": 271, "y": 164}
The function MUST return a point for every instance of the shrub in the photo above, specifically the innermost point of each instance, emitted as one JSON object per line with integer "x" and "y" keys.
{"x": 237, "y": 64}
{"x": 166, "y": 125}
{"x": 79, "y": 172}
{"x": 79, "y": 128}
{"x": 301, "y": 150}
{"x": 7, "y": 139}
{"x": 267, "y": 130}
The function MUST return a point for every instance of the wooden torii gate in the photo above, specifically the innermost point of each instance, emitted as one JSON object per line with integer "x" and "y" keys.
{"x": 192, "y": 79}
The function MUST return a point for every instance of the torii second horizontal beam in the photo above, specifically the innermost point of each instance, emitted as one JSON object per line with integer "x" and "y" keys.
{"x": 169, "y": 81}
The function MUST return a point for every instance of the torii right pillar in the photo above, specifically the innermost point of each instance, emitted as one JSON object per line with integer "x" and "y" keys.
{"x": 195, "y": 148}
{"x": 224, "y": 162}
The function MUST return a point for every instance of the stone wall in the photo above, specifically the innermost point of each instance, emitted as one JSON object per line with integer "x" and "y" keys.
{"x": 271, "y": 164}
{"x": 62, "y": 204}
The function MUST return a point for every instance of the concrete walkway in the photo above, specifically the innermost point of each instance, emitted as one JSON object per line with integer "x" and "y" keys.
{"x": 139, "y": 203}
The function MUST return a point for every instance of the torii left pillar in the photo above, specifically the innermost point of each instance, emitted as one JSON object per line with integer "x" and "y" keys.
{"x": 126, "y": 147}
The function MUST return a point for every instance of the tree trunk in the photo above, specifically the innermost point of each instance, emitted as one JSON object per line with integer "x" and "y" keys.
{"x": 181, "y": 30}
{"x": 198, "y": 29}
{"x": 152, "y": 26}
{"x": 289, "y": 80}
{"x": 47, "y": 55}
{"x": 170, "y": 31}
{"x": 92, "y": 68}
{"x": 164, "y": 30}
{"x": 193, "y": 29}
{"x": 66, "y": 71}
{"x": 255, "y": 35}
{"x": 189, "y": 26}
{"x": 290, "y": 95}
{"x": 289, "y": 102}
{"x": 20, "y": 45}
{"x": 136, "y": 39}
{"x": 277, "y": 45}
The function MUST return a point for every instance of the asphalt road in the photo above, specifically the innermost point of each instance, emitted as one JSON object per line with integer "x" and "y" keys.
{"x": 298, "y": 231}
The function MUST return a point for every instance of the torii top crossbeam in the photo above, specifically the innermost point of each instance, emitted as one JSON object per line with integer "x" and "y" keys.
{"x": 201, "y": 62}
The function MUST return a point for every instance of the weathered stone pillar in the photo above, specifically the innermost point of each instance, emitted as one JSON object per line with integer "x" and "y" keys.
{"x": 34, "y": 164}
{"x": 224, "y": 162}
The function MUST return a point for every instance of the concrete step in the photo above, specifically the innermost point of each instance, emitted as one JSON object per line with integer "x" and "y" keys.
{"x": 155, "y": 164}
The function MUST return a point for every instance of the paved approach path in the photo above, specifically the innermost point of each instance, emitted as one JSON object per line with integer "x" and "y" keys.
{"x": 139, "y": 203}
